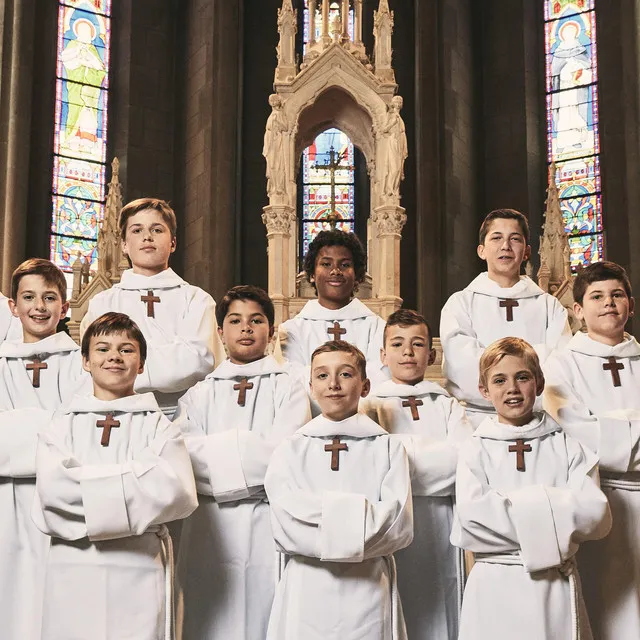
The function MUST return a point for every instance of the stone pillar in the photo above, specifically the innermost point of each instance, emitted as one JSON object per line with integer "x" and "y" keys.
{"x": 345, "y": 20}
{"x": 326, "y": 38}
{"x": 357, "y": 31}
{"x": 312, "y": 22}
{"x": 279, "y": 220}
{"x": 388, "y": 221}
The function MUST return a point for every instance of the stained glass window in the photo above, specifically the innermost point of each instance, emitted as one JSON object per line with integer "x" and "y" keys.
{"x": 80, "y": 134}
{"x": 573, "y": 141}
{"x": 331, "y": 148}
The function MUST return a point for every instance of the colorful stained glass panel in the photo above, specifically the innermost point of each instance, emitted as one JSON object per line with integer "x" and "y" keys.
{"x": 80, "y": 133}
{"x": 556, "y": 8}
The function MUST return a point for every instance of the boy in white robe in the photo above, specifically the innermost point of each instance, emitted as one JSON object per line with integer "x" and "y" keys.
{"x": 496, "y": 304}
{"x": 593, "y": 391}
{"x": 231, "y": 422}
{"x": 111, "y": 471}
{"x": 340, "y": 497}
{"x": 431, "y": 425}
{"x": 526, "y": 496}
{"x": 335, "y": 265}
{"x": 38, "y": 372}
{"x": 42, "y": 368}
{"x": 176, "y": 318}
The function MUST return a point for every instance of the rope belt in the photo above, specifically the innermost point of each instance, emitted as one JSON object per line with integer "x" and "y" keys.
{"x": 169, "y": 566}
{"x": 568, "y": 569}
{"x": 619, "y": 482}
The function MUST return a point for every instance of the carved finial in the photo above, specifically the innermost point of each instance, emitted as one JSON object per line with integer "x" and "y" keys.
{"x": 382, "y": 31}
{"x": 286, "y": 49}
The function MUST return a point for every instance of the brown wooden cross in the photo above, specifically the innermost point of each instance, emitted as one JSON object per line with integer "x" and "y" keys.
{"x": 106, "y": 425}
{"x": 509, "y": 304}
{"x": 336, "y": 447}
{"x": 242, "y": 387}
{"x": 150, "y": 299}
{"x": 35, "y": 366}
{"x": 520, "y": 448}
{"x": 414, "y": 403}
{"x": 337, "y": 331}
{"x": 614, "y": 367}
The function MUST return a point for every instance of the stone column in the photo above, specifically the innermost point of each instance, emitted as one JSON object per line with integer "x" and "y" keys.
{"x": 326, "y": 38}
{"x": 357, "y": 31}
{"x": 388, "y": 221}
{"x": 279, "y": 220}
{"x": 345, "y": 20}
{"x": 312, "y": 23}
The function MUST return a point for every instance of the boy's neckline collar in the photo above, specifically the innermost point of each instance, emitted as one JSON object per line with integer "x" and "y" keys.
{"x": 136, "y": 403}
{"x": 313, "y": 310}
{"x": 524, "y": 288}
{"x": 57, "y": 343}
{"x": 357, "y": 426}
{"x": 391, "y": 389}
{"x": 582, "y": 342}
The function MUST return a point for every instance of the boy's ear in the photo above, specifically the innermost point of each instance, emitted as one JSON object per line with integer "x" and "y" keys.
{"x": 141, "y": 367}
{"x": 432, "y": 357}
{"x": 577, "y": 311}
{"x": 480, "y": 251}
{"x": 174, "y": 244}
{"x": 527, "y": 253}
{"x": 366, "y": 387}
{"x": 271, "y": 331}
{"x": 383, "y": 356}
{"x": 85, "y": 365}
{"x": 12, "y": 307}
{"x": 540, "y": 386}
{"x": 123, "y": 246}
{"x": 632, "y": 306}
{"x": 64, "y": 310}
{"x": 483, "y": 391}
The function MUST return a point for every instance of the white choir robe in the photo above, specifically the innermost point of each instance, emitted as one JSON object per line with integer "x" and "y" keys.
{"x": 430, "y": 604}
{"x": 180, "y": 337}
{"x": 63, "y": 376}
{"x": 582, "y": 397}
{"x": 10, "y": 326}
{"x": 227, "y": 564}
{"x": 540, "y": 515}
{"x": 300, "y": 336}
{"x": 472, "y": 319}
{"x": 339, "y": 530}
{"x": 108, "y": 574}
{"x": 23, "y": 547}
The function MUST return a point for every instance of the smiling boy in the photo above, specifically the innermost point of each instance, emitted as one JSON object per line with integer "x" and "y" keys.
{"x": 526, "y": 496}
{"x": 340, "y": 498}
{"x": 176, "y": 318}
{"x": 335, "y": 265}
{"x": 112, "y": 470}
{"x": 231, "y": 422}
{"x": 431, "y": 425}
{"x": 594, "y": 393}
{"x": 497, "y": 303}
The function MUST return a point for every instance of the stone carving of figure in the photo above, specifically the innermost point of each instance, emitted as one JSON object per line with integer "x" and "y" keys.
{"x": 393, "y": 150}
{"x": 275, "y": 148}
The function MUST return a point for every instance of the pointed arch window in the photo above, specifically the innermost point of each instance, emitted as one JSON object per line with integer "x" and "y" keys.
{"x": 80, "y": 129}
{"x": 573, "y": 139}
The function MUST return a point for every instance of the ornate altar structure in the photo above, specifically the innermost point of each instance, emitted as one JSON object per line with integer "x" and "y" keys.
{"x": 554, "y": 274}
{"x": 335, "y": 85}
{"x": 111, "y": 260}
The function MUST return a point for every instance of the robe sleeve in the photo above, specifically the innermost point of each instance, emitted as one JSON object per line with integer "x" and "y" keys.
{"x": 375, "y": 370}
{"x": 462, "y": 350}
{"x": 483, "y": 522}
{"x": 338, "y": 526}
{"x": 19, "y": 430}
{"x": 558, "y": 331}
{"x": 231, "y": 464}
{"x": 291, "y": 347}
{"x": 433, "y": 462}
{"x": 187, "y": 357}
{"x": 551, "y": 522}
{"x": 109, "y": 501}
{"x": 613, "y": 440}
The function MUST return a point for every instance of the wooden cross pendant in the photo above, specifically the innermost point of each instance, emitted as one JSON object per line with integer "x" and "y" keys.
{"x": 336, "y": 447}
{"x": 106, "y": 425}
{"x": 150, "y": 299}
{"x": 35, "y": 366}
{"x": 520, "y": 448}
{"x": 242, "y": 387}
{"x": 509, "y": 304}
{"x": 414, "y": 403}
{"x": 614, "y": 367}
{"x": 337, "y": 331}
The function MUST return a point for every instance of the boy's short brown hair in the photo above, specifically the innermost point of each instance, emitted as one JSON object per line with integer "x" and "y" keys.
{"x": 111, "y": 323}
{"x": 136, "y": 206}
{"x": 504, "y": 214}
{"x": 341, "y": 346}
{"x": 39, "y": 267}
{"x": 406, "y": 318}
{"x": 517, "y": 347}
{"x": 245, "y": 292}
{"x": 598, "y": 272}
